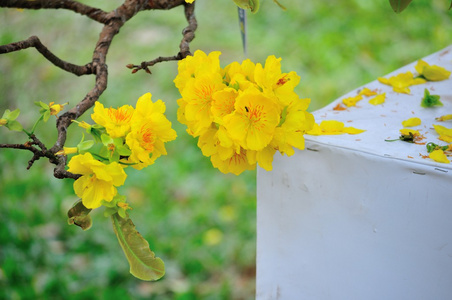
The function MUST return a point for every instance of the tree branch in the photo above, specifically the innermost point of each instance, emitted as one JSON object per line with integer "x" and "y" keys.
{"x": 112, "y": 21}
{"x": 44, "y": 152}
{"x": 34, "y": 41}
{"x": 188, "y": 35}
{"x": 93, "y": 13}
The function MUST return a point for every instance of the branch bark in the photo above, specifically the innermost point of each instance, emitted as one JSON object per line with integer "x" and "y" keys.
{"x": 184, "y": 48}
{"x": 93, "y": 13}
{"x": 34, "y": 41}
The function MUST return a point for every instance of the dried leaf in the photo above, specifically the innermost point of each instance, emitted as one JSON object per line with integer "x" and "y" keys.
{"x": 79, "y": 215}
{"x": 143, "y": 263}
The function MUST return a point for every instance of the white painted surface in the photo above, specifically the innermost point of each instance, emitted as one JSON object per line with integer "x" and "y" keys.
{"x": 360, "y": 219}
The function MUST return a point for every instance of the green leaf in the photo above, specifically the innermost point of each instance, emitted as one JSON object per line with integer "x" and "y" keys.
{"x": 106, "y": 139}
{"x": 46, "y": 115}
{"x": 109, "y": 211}
{"x": 14, "y": 114}
{"x": 6, "y": 114}
{"x": 430, "y": 100}
{"x": 42, "y": 105}
{"x": 79, "y": 215}
{"x": 143, "y": 263}
{"x": 399, "y": 5}
{"x": 85, "y": 146}
{"x": 122, "y": 148}
{"x": 14, "y": 125}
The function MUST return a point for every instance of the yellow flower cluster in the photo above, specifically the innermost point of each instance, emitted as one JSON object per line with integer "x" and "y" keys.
{"x": 144, "y": 129}
{"x": 242, "y": 114}
{"x": 130, "y": 136}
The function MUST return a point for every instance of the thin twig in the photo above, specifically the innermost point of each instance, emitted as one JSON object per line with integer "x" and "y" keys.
{"x": 184, "y": 48}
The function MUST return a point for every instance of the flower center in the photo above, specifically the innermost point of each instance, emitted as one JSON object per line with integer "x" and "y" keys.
{"x": 120, "y": 115}
{"x": 147, "y": 138}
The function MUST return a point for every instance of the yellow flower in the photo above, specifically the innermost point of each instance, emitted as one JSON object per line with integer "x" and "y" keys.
{"x": 141, "y": 141}
{"x": 439, "y": 156}
{"x": 254, "y": 120}
{"x": 273, "y": 82}
{"x": 191, "y": 67}
{"x": 189, "y": 1}
{"x": 55, "y": 108}
{"x": 149, "y": 131}
{"x": 263, "y": 157}
{"x": 3, "y": 122}
{"x": 98, "y": 181}
{"x": 217, "y": 141}
{"x": 297, "y": 121}
{"x": 236, "y": 164}
{"x": 379, "y": 99}
{"x": 401, "y": 82}
{"x": 223, "y": 103}
{"x": 411, "y": 122}
{"x": 431, "y": 72}
{"x": 445, "y": 134}
{"x": 240, "y": 75}
{"x": 198, "y": 97}
{"x": 115, "y": 121}
{"x": 351, "y": 101}
{"x": 332, "y": 127}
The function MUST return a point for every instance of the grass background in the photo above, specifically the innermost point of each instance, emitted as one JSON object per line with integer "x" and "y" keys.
{"x": 200, "y": 222}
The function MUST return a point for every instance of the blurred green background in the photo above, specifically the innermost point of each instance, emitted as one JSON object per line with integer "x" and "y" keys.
{"x": 200, "y": 222}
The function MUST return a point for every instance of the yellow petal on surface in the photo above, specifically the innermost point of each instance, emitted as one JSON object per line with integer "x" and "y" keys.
{"x": 332, "y": 127}
{"x": 439, "y": 156}
{"x": 367, "y": 92}
{"x": 445, "y": 134}
{"x": 432, "y": 72}
{"x": 379, "y": 99}
{"x": 315, "y": 130}
{"x": 418, "y": 81}
{"x": 444, "y": 118}
{"x": 384, "y": 80}
{"x": 351, "y": 101}
{"x": 420, "y": 66}
{"x": 435, "y": 73}
{"x": 411, "y": 122}
{"x": 353, "y": 130}
{"x": 401, "y": 82}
